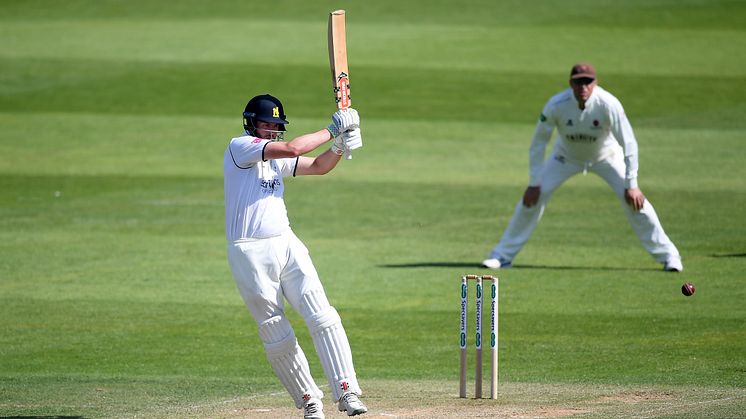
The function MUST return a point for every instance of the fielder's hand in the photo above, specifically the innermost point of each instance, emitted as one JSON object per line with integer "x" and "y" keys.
{"x": 634, "y": 198}
{"x": 531, "y": 196}
{"x": 344, "y": 120}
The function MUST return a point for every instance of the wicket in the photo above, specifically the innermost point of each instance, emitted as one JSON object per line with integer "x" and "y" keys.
{"x": 478, "y": 335}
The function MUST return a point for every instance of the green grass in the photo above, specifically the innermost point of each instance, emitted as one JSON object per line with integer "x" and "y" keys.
{"x": 115, "y": 295}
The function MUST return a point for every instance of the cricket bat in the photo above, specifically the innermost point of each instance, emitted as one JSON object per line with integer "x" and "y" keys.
{"x": 338, "y": 62}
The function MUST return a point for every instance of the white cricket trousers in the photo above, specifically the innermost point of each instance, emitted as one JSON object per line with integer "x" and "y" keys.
{"x": 556, "y": 171}
{"x": 268, "y": 271}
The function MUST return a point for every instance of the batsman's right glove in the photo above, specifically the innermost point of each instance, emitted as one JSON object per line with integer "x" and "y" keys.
{"x": 352, "y": 139}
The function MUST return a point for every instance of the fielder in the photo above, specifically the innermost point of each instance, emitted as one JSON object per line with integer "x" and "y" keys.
{"x": 594, "y": 136}
{"x": 270, "y": 264}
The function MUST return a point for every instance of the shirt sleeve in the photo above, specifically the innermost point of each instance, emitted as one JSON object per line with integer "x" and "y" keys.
{"x": 537, "y": 150}
{"x": 622, "y": 131}
{"x": 287, "y": 166}
{"x": 246, "y": 151}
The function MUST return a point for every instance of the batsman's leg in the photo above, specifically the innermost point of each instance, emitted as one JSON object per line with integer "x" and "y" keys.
{"x": 333, "y": 348}
{"x": 256, "y": 269}
{"x": 288, "y": 360}
{"x": 304, "y": 291}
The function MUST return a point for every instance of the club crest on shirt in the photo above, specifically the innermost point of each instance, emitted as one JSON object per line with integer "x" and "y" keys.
{"x": 569, "y": 122}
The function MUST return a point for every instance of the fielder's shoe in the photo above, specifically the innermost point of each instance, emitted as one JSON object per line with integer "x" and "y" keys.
{"x": 351, "y": 404}
{"x": 313, "y": 409}
{"x": 495, "y": 263}
{"x": 673, "y": 265}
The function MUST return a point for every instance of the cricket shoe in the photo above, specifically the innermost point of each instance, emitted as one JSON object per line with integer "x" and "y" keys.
{"x": 351, "y": 404}
{"x": 673, "y": 265}
{"x": 313, "y": 409}
{"x": 495, "y": 263}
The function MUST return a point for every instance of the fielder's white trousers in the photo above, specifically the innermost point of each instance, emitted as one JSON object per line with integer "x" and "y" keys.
{"x": 556, "y": 171}
{"x": 268, "y": 271}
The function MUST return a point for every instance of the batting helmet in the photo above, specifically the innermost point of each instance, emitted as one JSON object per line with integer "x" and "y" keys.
{"x": 265, "y": 108}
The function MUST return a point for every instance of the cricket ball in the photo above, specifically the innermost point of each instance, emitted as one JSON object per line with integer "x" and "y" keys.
{"x": 688, "y": 289}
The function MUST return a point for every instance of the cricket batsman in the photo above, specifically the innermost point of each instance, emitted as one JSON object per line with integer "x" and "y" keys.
{"x": 270, "y": 264}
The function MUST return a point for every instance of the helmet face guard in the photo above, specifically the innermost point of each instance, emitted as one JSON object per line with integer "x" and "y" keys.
{"x": 266, "y": 108}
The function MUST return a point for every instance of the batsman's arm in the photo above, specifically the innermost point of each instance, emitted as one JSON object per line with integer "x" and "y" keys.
{"x": 319, "y": 165}
{"x": 297, "y": 146}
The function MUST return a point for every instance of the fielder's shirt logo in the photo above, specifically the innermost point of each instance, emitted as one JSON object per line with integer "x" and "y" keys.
{"x": 581, "y": 138}
{"x": 569, "y": 122}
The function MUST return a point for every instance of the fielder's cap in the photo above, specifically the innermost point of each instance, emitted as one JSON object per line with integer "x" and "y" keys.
{"x": 582, "y": 71}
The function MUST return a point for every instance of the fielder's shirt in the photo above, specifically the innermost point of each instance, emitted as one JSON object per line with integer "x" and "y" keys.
{"x": 585, "y": 136}
{"x": 254, "y": 204}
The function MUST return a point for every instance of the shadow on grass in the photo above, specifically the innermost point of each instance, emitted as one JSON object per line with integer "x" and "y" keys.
{"x": 729, "y": 255}
{"x": 479, "y": 266}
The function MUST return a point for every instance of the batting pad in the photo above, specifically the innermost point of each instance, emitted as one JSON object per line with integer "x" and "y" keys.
{"x": 288, "y": 360}
{"x": 333, "y": 348}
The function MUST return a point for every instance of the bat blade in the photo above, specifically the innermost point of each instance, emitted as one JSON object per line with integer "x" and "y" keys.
{"x": 338, "y": 62}
{"x": 338, "y": 59}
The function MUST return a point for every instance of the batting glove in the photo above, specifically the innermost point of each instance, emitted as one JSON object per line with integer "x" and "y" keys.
{"x": 338, "y": 146}
{"x": 352, "y": 139}
{"x": 343, "y": 120}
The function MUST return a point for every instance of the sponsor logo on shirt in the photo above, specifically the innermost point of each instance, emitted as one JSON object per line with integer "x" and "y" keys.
{"x": 270, "y": 185}
{"x": 581, "y": 138}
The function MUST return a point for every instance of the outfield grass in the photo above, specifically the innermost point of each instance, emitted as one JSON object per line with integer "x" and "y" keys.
{"x": 115, "y": 295}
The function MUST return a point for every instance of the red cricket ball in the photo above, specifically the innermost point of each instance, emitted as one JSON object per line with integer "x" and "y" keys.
{"x": 688, "y": 289}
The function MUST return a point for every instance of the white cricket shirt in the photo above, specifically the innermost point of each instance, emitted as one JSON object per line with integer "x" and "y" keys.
{"x": 584, "y": 136}
{"x": 254, "y": 205}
